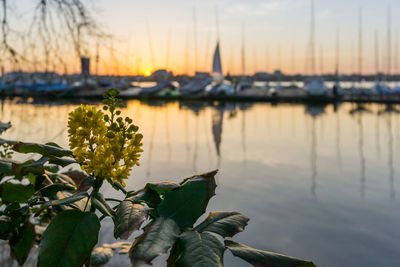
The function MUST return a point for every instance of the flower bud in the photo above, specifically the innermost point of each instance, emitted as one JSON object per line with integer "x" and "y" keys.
{"x": 110, "y": 135}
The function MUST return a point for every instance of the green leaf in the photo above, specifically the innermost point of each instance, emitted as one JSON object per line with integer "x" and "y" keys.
{"x": 52, "y": 189}
{"x": 5, "y": 167}
{"x": 63, "y": 162}
{"x": 16, "y": 192}
{"x": 76, "y": 176}
{"x": 31, "y": 177}
{"x": 223, "y": 223}
{"x": 82, "y": 204}
{"x": 158, "y": 237}
{"x": 63, "y": 178}
{"x": 69, "y": 239}
{"x": 53, "y": 144}
{"x": 5, "y": 227}
{"x": 4, "y": 126}
{"x": 37, "y": 166}
{"x": 99, "y": 203}
{"x": 14, "y": 209}
{"x": 45, "y": 150}
{"x": 22, "y": 243}
{"x": 39, "y": 181}
{"x": 200, "y": 250}
{"x": 129, "y": 218}
{"x": 146, "y": 195}
{"x": 86, "y": 184}
{"x": 100, "y": 256}
{"x": 261, "y": 258}
{"x": 163, "y": 187}
{"x": 69, "y": 199}
{"x": 30, "y": 166}
{"x": 52, "y": 168}
{"x": 188, "y": 202}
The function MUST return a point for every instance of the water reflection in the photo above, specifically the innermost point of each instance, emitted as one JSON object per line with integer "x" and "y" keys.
{"x": 167, "y": 136}
{"x": 378, "y": 137}
{"x": 338, "y": 135}
{"x": 357, "y": 113}
{"x": 197, "y": 116}
{"x": 390, "y": 156}
{"x": 387, "y": 112}
{"x": 217, "y": 122}
{"x": 314, "y": 112}
{"x": 196, "y": 142}
{"x": 151, "y": 146}
{"x": 361, "y": 152}
{"x": 243, "y": 137}
{"x": 299, "y": 172}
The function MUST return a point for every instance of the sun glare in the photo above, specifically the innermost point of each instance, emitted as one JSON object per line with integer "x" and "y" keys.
{"x": 147, "y": 72}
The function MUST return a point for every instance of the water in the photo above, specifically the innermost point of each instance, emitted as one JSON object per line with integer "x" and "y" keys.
{"x": 316, "y": 183}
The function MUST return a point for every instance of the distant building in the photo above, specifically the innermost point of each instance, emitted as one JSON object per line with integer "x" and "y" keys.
{"x": 278, "y": 73}
{"x": 85, "y": 66}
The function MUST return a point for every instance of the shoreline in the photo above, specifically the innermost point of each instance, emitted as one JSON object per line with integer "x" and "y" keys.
{"x": 383, "y": 99}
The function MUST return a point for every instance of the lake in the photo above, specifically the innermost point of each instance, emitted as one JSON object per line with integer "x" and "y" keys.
{"x": 317, "y": 182}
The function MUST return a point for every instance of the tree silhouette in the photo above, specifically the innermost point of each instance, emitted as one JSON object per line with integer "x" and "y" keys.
{"x": 54, "y": 29}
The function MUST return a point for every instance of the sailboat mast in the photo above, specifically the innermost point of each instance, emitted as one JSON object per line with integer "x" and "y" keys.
{"x": 255, "y": 61}
{"x": 321, "y": 60}
{"x": 376, "y": 52}
{"x": 97, "y": 59}
{"x": 187, "y": 53}
{"x": 195, "y": 39}
{"x": 267, "y": 59}
{"x": 217, "y": 65}
{"x": 337, "y": 63}
{"x": 353, "y": 59}
{"x": 150, "y": 44}
{"x": 127, "y": 63}
{"x": 312, "y": 39}
{"x": 114, "y": 59}
{"x": 243, "y": 53}
{"x": 396, "y": 52}
{"x": 389, "y": 43}
{"x": 207, "y": 45}
{"x": 231, "y": 61}
{"x": 168, "y": 48}
{"x": 292, "y": 61}
{"x": 138, "y": 59}
{"x": 279, "y": 58}
{"x": 360, "y": 43}
{"x": 217, "y": 23}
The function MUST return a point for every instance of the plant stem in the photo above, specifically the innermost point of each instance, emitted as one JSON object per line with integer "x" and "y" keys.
{"x": 98, "y": 182}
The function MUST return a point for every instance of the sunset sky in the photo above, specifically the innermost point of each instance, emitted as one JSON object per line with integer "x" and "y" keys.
{"x": 277, "y": 34}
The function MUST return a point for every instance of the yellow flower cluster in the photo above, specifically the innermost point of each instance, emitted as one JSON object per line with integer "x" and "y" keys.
{"x": 102, "y": 156}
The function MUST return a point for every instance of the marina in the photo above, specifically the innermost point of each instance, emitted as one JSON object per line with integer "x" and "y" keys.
{"x": 197, "y": 90}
